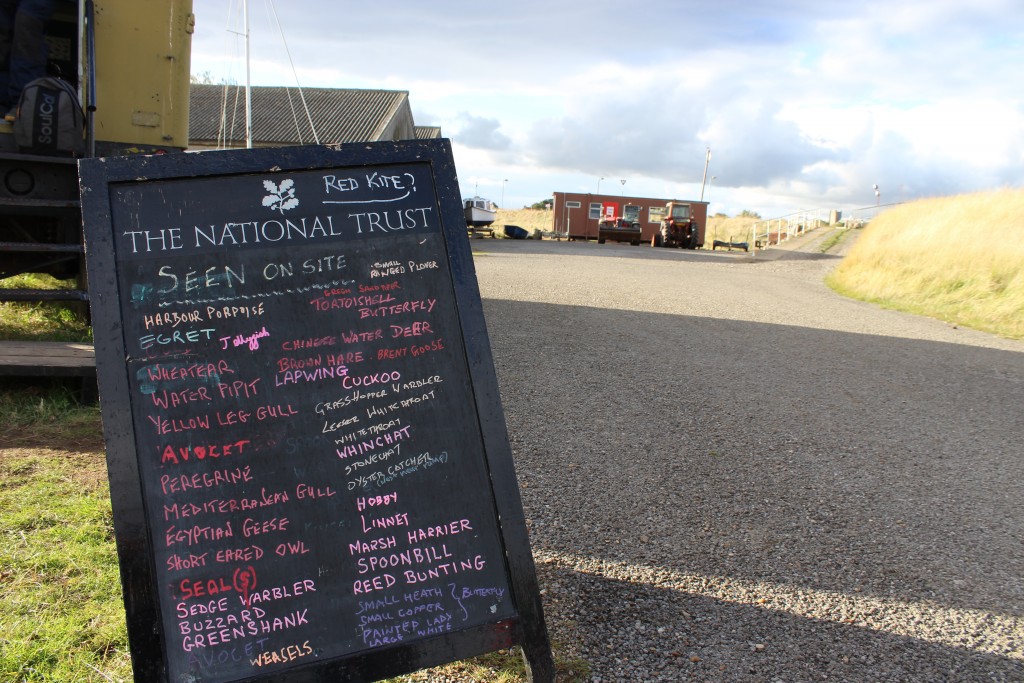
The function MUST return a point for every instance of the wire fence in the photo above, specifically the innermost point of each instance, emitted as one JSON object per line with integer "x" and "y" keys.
{"x": 773, "y": 231}
{"x": 858, "y": 218}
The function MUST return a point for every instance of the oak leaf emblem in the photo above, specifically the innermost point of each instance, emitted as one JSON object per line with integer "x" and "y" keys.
{"x": 281, "y": 197}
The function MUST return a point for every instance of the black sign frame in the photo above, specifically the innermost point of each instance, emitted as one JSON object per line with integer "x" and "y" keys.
{"x": 135, "y": 542}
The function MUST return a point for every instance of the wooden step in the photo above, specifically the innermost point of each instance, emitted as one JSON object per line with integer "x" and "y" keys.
{"x": 51, "y": 359}
{"x": 63, "y": 361}
{"x": 43, "y": 295}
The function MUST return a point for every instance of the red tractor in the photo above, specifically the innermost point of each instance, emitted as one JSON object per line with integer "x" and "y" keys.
{"x": 678, "y": 228}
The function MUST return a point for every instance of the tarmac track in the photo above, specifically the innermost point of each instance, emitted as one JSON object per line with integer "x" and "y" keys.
{"x": 731, "y": 473}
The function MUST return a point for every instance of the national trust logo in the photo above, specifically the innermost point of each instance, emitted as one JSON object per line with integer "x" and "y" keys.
{"x": 282, "y": 197}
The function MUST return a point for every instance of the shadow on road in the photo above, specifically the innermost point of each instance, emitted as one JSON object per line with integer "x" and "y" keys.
{"x": 828, "y": 462}
{"x": 696, "y": 637}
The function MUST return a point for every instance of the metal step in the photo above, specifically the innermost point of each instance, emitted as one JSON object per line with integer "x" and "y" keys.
{"x": 33, "y": 184}
{"x": 24, "y": 205}
{"x": 41, "y": 247}
{"x": 40, "y": 159}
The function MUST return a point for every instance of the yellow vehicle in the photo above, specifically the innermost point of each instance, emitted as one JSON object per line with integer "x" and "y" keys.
{"x": 129, "y": 61}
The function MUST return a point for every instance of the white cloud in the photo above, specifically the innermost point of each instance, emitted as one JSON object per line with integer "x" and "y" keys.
{"x": 480, "y": 132}
{"x": 800, "y": 101}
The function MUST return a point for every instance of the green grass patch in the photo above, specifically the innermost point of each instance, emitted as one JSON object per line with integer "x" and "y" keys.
{"x": 61, "y": 614}
{"x": 832, "y": 240}
{"x": 45, "y": 413}
{"x": 44, "y": 320}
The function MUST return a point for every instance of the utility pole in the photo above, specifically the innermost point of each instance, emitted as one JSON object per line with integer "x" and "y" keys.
{"x": 707, "y": 160}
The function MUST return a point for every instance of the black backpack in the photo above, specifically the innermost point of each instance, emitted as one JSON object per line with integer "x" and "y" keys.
{"x": 50, "y": 119}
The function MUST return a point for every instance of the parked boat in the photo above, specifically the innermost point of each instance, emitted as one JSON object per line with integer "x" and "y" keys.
{"x": 515, "y": 232}
{"x": 479, "y": 212}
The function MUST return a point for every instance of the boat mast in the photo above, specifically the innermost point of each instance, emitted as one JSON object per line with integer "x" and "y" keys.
{"x": 248, "y": 83}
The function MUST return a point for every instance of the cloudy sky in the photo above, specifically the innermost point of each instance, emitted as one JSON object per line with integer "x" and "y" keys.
{"x": 804, "y": 103}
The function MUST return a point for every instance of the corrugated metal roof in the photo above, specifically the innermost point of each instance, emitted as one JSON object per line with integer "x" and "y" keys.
{"x": 428, "y": 132}
{"x": 217, "y": 114}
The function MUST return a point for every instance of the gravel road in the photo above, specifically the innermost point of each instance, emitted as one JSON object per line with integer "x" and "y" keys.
{"x": 730, "y": 473}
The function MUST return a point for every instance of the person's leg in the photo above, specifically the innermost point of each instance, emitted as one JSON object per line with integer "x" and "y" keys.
{"x": 8, "y": 8}
{"x": 28, "y": 46}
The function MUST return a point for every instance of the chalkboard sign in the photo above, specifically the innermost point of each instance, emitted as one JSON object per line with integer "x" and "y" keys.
{"x": 309, "y": 467}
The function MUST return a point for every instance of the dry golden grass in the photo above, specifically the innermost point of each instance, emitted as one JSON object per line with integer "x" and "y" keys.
{"x": 958, "y": 259}
{"x": 735, "y": 229}
{"x": 530, "y": 219}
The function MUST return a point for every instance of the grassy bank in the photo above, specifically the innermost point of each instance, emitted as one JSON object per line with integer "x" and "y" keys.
{"x": 959, "y": 259}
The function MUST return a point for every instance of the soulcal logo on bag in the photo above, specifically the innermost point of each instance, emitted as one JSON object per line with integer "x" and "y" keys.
{"x": 46, "y": 116}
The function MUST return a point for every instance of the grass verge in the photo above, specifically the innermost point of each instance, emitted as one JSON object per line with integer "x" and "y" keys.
{"x": 61, "y": 615}
{"x": 44, "y": 413}
{"x": 832, "y": 240}
{"x": 959, "y": 259}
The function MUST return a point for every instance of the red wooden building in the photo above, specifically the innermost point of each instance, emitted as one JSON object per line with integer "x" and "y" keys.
{"x": 576, "y": 214}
